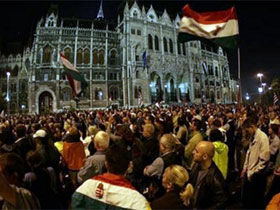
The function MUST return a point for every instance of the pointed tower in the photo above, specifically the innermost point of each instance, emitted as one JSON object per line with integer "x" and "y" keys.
{"x": 100, "y": 14}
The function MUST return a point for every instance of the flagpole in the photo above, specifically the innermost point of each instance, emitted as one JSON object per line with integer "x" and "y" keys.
{"x": 239, "y": 79}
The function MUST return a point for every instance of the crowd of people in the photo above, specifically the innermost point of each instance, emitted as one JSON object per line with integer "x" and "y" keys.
{"x": 177, "y": 157}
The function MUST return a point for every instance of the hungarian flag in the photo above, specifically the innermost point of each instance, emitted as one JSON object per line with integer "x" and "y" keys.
{"x": 108, "y": 191}
{"x": 218, "y": 27}
{"x": 76, "y": 80}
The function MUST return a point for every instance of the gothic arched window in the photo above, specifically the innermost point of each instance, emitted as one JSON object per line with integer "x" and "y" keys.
{"x": 67, "y": 53}
{"x": 47, "y": 53}
{"x": 170, "y": 46}
{"x": 15, "y": 72}
{"x": 114, "y": 93}
{"x": 179, "y": 47}
{"x": 184, "y": 49}
{"x": 156, "y": 43}
{"x": 95, "y": 57}
{"x": 86, "y": 56}
{"x": 113, "y": 57}
{"x": 66, "y": 94}
{"x": 218, "y": 95}
{"x": 101, "y": 57}
{"x": 137, "y": 75}
{"x": 150, "y": 39}
{"x": 79, "y": 56}
{"x": 165, "y": 45}
{"x": 216, "y": 71}
{"x": 135, "y": 92}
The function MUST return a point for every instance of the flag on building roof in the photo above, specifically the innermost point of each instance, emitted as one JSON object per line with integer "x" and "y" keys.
{"x": 275, "y": 99}
{"x": 144, "y": 57}
{"x": 75, "y": 78}
{"x": 218, "y": 27}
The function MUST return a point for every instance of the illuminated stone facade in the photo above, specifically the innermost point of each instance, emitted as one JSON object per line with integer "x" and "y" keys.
{"x": 111, "y": 59}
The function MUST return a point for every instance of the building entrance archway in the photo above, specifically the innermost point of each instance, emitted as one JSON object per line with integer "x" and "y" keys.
{"x": 45, "y": 103}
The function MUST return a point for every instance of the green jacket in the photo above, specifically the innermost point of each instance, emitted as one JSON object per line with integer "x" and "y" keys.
{"x": 221, "y": 157}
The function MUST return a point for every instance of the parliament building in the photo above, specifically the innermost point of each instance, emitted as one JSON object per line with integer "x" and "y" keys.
{"x": 136, "y": 56}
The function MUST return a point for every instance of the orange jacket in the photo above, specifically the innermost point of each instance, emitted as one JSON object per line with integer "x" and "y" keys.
{"x": 74, "y": 155}
{"x": 274, "y": 203}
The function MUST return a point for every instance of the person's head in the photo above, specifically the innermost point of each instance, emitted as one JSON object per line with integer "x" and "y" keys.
{"x": 250, "y": 126}
{"x": 216, "y": 135}
{"x": 127, "y": 134}
{"x": 34, "y": 159}
{"x": 125, "y": 120}
{"x": 149, "y": 119}
{"x": 12, "y": 167}
{"x": 35, "y": 127}
{"x": 180, "y": 121}
{"x": 175, "y": 177}
{"x": 167, "y": 143}
{"x": 7, "y": 136}
{"x": 148, "y": 130}
{"x": 101, "y": 141}
{"x": 272, "y": 115}
{"x": 41, "y": 137}
{"x": 229, "y": 114}
{"x": 217, "y": 123}
{"x": 117, "y": 159}
{"x": 196, "y": 125}
{"x": 20, "y": 130}
{"x": 203, "y": 152}
{"x": 210, "y": 120}
{"x": 92, "y": 130}
{"x": 74, "y": 134}
{"x": 273, "y": 129}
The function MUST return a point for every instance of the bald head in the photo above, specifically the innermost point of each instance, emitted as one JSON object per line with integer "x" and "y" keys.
{"x": 207, "y": 148}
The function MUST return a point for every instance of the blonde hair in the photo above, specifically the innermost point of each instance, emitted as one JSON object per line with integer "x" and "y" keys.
{"x": 149, "y": 128}
{"x": 73, "y": 131}
{"x": 179, "y": 176}
{"x": 169, "y": 141}
{"x": 102, "y": 140}
{"x": 92, "y": 130}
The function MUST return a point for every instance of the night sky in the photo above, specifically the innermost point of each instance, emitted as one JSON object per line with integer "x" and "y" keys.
{"x": 259, "y": 28}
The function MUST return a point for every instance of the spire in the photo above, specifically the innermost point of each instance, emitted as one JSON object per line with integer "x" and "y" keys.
{"x": 100, "y": 14}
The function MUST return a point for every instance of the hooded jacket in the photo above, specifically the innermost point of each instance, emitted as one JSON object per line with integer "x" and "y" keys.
{"x": 221, "y": 157}
{"x": 73, "y": 152}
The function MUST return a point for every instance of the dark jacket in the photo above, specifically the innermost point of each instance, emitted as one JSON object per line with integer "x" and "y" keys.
{"x": 171, "y": 158}
{"x": 211, "y": 192}
{"x": 170, "y": 200}
{"x": 151, "y": 150}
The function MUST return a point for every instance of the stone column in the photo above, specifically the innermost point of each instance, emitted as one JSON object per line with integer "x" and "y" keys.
{"x": 91, "y": 66}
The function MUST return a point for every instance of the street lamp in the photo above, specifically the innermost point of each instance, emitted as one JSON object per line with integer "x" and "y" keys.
{"x": 8, "y": 87}
{"x": 260, "y": 75}
{"x": 263, "y": 86}
{"x": 260, "y": 89}
{"x": 247, "y": 97}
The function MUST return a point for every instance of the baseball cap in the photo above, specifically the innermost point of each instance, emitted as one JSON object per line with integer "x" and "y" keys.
{"x": 40, "y": 134}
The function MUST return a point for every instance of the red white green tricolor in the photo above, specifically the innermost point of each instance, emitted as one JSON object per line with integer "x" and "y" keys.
{"x": 76, "y": 80}
{"x": 219, "y": 27}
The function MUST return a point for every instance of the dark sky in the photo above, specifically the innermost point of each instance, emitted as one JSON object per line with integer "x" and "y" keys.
{"x": 259, "y": 25}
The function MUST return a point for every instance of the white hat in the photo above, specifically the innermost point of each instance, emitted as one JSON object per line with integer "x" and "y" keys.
{"x": 40, "y": 134}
